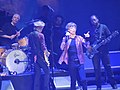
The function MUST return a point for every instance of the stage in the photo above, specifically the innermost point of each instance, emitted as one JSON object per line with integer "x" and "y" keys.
{"x": 6, "y": 85}
{"x": 61, "y": 83}
{"x": 61, "y": 77}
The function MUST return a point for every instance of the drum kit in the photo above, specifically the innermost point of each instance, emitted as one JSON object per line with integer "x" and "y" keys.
{"x": 16, "y": 59}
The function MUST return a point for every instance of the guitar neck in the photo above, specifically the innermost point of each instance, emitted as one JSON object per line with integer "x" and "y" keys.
{"x": 107, "y": 39}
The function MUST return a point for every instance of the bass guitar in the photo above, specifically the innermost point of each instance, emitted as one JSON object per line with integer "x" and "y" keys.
{"x": 94, "y": 47}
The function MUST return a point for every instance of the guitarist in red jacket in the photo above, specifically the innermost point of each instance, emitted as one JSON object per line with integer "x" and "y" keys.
{"x": 98, "y": 33}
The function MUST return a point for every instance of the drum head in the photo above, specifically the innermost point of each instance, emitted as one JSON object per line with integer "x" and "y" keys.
{"x": 16, "y": 61}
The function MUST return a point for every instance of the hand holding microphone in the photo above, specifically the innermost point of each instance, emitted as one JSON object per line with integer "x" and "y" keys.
{"x": 65, "y": 39}
{"x": 67, "y": 35}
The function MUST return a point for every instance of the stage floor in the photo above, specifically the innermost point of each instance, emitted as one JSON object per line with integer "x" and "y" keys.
{"x": 63, "y": 83}
{"x": 7, "y": 85}
{"x": 93, "y": 87}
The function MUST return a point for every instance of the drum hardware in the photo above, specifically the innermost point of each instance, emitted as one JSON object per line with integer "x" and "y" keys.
{"x": 17, "y": 61}
{"x": 15, "y": 46}
{"x": 5, "y": 71}
{"x": 13, "y": 73}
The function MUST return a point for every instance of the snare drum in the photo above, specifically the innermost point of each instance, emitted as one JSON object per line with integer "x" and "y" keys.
{"x": 15, "y": 60}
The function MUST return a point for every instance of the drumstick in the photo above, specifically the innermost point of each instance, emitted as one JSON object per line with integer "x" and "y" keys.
{"x": 19, "y": 31}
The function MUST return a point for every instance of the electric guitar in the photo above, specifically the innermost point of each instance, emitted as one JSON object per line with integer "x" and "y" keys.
{"x": 46, "y": 58}
{"x": 94, "y": 47}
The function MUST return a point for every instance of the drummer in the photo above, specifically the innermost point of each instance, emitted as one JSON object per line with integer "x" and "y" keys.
{"x": 10, "y": 32}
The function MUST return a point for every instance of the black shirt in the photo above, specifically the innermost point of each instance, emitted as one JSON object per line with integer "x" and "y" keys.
{"x": 8, "y": 29}
{"x": 98, "y": 34}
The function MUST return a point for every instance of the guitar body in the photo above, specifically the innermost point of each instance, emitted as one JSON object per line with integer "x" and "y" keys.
{"x": 90, "y": 53}
{"x": 46, "y": 59}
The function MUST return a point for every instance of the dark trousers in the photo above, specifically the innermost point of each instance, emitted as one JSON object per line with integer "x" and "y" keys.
{"x": 104, "y": 57}
{"x": 77, "y": 73}
{"x": 41, "y": 82}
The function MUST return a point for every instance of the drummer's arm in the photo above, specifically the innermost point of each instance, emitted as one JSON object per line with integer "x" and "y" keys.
{"x": 7, "y": 36}
{"x": 17, "y": 33}
{"x": 4, "y": 35}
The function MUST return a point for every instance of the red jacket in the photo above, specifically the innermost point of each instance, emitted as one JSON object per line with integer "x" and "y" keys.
{"x": 65, "y": 46}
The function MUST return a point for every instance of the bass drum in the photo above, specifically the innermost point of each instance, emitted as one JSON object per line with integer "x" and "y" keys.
{"x": 15, "y": 60}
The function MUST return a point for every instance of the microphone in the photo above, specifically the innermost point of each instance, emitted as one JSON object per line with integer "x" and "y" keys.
{"x": 67, "y": 33}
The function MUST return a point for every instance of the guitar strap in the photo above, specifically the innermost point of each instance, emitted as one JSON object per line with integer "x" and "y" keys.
{"x": 100, "y": 34}
{"x": 101, "y": 28}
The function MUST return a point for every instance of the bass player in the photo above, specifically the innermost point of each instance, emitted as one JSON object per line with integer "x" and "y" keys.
{"x": 98, "y": 33}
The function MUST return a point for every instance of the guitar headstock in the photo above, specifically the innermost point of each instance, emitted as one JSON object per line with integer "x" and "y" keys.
{"x": 115, "y": 33}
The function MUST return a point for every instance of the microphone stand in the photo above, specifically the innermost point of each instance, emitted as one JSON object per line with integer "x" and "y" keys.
{"x": 52, "y": 56}
{"x": 52, "y": 60}
{"x": 52, "y": 86}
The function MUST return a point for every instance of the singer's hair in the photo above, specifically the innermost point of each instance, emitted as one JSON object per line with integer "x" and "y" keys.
{"x": 71, "y": 24}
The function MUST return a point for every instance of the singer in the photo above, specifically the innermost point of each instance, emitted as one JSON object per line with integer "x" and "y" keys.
{"x": 73, "y": 56}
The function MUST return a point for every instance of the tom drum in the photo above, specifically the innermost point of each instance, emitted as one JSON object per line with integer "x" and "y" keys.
{"x": 23, "y": 42}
